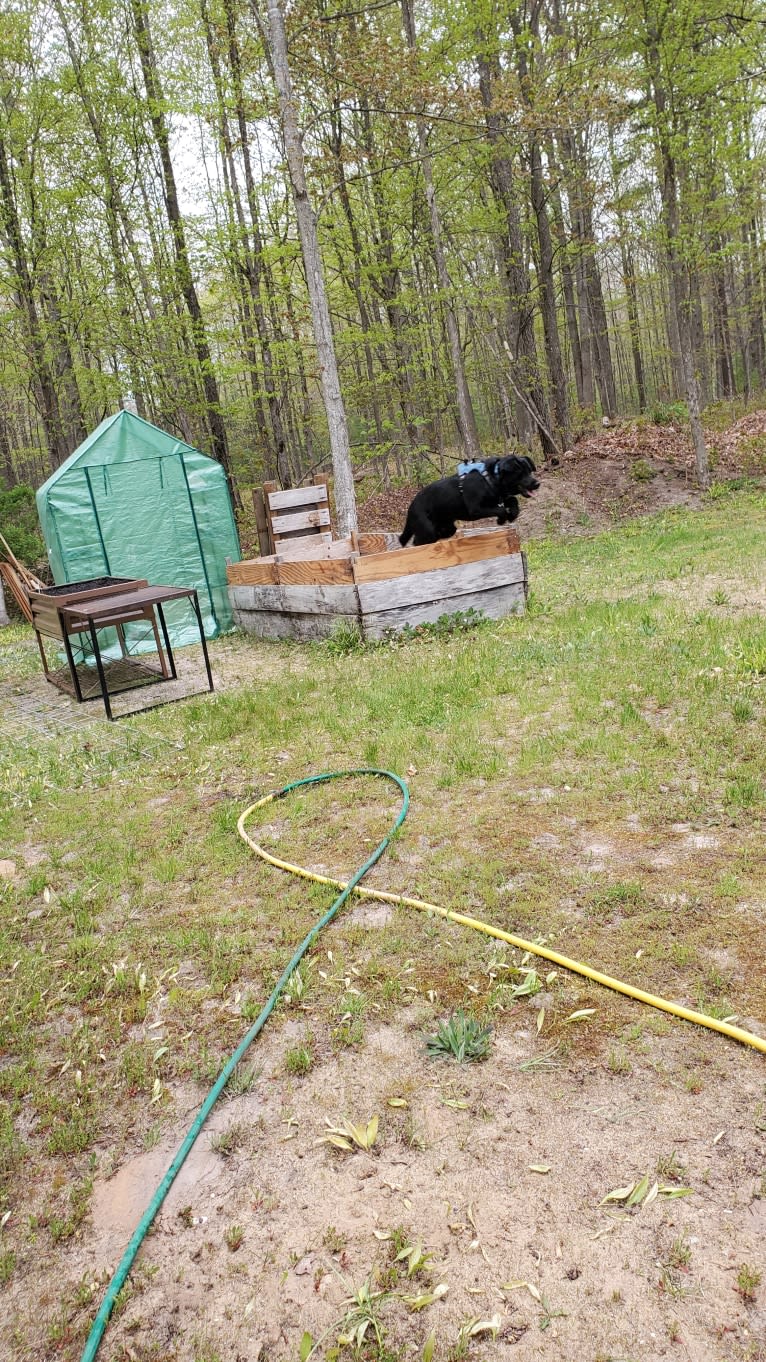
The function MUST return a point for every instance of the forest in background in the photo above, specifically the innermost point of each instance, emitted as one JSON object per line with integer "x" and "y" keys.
{"x": 530, "y": 216}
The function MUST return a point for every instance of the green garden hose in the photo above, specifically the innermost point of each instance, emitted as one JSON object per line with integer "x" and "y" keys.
{"x": 129, "y": 1256}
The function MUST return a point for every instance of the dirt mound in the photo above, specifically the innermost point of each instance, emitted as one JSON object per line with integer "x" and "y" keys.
{"x": 612, "y": 475}
{"x": 386, "y": 510}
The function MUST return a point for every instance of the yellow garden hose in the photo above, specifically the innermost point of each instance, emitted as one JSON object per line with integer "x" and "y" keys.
{"x": 563, "y": 961}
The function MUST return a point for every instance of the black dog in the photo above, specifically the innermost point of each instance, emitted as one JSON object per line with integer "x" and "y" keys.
{"x": 491, "y": 489}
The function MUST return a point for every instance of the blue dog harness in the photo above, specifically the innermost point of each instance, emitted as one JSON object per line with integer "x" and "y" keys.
{"x": 488, "y": 471}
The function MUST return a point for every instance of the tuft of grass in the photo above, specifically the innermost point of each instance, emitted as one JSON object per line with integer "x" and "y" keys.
{"x": 65, "y": 1227}
{"x": 333, "y": 1240}
{"x": 742, "y": 710}
{"x": 748, "y": 1278}
{"x": 619, "y": 1063}
{"x": 680, "y": 1253}
{"x": 299, "y": 1059}
{"x": 243, "y": 1079}
{"x": 670, "y": 1168}
{"x": 345, "y": 639}
{"x": 234, "y": 1237}
{"x": 225, "y": 1142}
{"x": 461, "y": 1038}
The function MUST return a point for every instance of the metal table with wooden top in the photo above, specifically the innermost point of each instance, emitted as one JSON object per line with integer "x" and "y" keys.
{"x": 124, "y": 604}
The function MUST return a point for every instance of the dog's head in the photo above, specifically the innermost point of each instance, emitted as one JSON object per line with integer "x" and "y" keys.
{"x": 516, "y": 477}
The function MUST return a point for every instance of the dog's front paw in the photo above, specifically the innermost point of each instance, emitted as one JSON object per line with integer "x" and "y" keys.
{"x": 509, "y": 512}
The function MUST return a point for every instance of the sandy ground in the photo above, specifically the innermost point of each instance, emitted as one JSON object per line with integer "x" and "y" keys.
{"x": 560, "y": 1275}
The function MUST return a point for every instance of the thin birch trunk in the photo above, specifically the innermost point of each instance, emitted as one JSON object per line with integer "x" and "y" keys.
{"x": 345, "y": 500}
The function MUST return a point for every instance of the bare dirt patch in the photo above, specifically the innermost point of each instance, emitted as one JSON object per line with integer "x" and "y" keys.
{"x": 455, "y": 1171}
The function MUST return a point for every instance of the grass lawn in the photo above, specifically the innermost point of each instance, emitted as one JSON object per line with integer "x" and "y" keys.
{"x": 591, "y": 773}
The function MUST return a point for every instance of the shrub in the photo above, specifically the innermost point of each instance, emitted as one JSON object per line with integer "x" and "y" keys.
{"x": 19, "y": 525}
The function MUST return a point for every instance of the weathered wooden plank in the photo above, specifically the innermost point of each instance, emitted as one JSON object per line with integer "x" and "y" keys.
{"x": 307, "y": 544}
{"x": 441, "y": 583}
{"x": 332, "y": 571}
{"x": 298, "y": 496}
{"x": 264, "y": 623}
{"x": 378, "y": 541}
{"x": 446, "y": 553}
{"x": 494, "y": 604}
{"x": 314, "y": 546}
{"x": 272, "y": 624}
{"x": 301, "y": 520}
{"x": 470, "y": 532}
{"x": 343, "y": 548}
{"x": 254, "y": 571}
{"x": 309, "y": 627}
{"x": 296, "y": 599}
{"x": 261, "y": 521}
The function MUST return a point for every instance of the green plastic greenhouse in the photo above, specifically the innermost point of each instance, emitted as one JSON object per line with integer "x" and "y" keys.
{"x": 132, "y": 501}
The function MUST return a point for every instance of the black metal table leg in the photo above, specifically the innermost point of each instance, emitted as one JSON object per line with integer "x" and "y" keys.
{"x": 166, "y": 637}
{"x": 100, "y": 666}
{"x": 203, "y": 640}
{"x": 71, "y": 661}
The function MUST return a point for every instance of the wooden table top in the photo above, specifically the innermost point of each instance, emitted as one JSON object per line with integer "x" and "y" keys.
{"x": 139, "y": 598}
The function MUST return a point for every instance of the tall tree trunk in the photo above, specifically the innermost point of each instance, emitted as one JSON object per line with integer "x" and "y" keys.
{"x": 73, "y": 427}
{"x": 385, "y": 280}
{"x": 601, "y": 334}
{"x": 112, "y": 205}
{"x": 44, "y": 386}
{"x": 469, "y": 435}
{"x": 9, "y": 471}
{"x": 670, "y": 213}
{"x": 243, "y": 268}
{"x": 756, "y": 344}
{"x": 155, "y": 104}
{"x": 345, "y": 501}
{"x": 567, "y": 277}
{"x": 592, "y": 296}
{"x": 254, "y": 256}
{"x": 545, "y": 246}
{"x": 629, "y": 281}
{"x": 531, "y": 405}
{"x": 724, "y": 365}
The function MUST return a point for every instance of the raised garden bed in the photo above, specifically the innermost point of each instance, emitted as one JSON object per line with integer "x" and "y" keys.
{"x": 374, "y": 584}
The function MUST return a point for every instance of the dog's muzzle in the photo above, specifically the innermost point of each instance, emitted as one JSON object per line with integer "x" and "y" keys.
{"x": 529, "y": 487}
